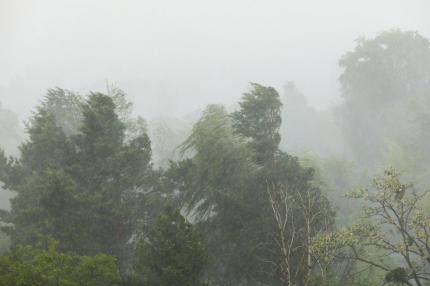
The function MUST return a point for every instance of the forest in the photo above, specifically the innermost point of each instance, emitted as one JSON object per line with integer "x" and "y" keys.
{"x": 269, "y": 191}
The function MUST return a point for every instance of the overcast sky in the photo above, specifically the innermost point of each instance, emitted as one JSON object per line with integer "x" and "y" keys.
{"x": 173, "y": 57}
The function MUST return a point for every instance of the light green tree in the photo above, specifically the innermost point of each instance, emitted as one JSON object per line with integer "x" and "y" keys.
{"x": 44, "y": 265}
{"x": 394, "y": 236}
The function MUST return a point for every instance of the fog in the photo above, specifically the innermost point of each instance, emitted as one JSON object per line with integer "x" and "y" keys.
{"x": 174, "y": 57}
{"x": 215, "y": 143}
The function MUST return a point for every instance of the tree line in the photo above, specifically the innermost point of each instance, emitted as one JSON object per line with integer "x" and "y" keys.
{"x": 90, "y": 207}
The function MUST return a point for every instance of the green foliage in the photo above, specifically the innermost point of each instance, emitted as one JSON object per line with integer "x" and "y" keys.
{"x": 259, "y": 119}
{"x": 397, "y": 275}
{"x": 81, "y": 176}
{"x": 394, "y": 225}
{"x": 65, "y": 107}
{"x": 47, "y": 203}
{"x": 232, "y": 158}
{"x": 47, "y": 146}
{"x": 221, "y": 163}
{"x": 109, "y": 171}
{"x": 171, "y": 252}
{"x": 212, "y": 185}
{"x": 44, "y": 265}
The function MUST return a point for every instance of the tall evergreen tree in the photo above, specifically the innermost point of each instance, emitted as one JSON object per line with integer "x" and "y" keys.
{"x": 111, "y": 173}
{"x": 84, "y": 186}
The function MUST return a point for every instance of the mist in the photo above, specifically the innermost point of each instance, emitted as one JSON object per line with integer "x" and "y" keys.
{"x": 280, "y": 143}
{"x": 173, "y": 57}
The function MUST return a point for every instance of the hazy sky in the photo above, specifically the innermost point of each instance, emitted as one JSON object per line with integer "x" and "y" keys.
{"x": 173, "y": 57}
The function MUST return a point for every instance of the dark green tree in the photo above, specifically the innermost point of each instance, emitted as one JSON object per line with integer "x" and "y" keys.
{"x": 259, "y": 119}
{"x": 47, "y": 147}
{"x": 87, "y": 187}
{"x": 111, "y": 173}
{"x": 224, "y": 184}
{"x": 171, "y": 252}
{"x": 47, "y": 203}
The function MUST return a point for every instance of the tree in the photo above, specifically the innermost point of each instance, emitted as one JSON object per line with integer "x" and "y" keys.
{"x": 171, "y": 252}
{"x": 220, "y": 162}
{"x": 382, "y": 78}
{"x": 281, "y": 189}
{"x": 88, "y": 187}
{"x": 47, "y": 203}
{"x": 259, "y": 119}
{"x": 45, "y": 265}
{"x": 112, "y": 173}
{"x": 212, "y": 188}
{"x": 47, "y": 147}
{"x": 224, "y": 185}
{"x": 65, "y": 107}
{"x": 297, "y": 212}
{"x": 395, "y": 226}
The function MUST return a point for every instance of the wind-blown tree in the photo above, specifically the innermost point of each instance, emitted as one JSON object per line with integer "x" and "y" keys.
{"x": 259, "y": 118}
{"x": 170, "y": 253}
{"x": 221, "y": 160}
{"x": 224, "y": 185}
{"x": 213, "y": 190}
{"x": 93, "y": 180}
{"x": 65, "y": 106}
{"x": 283, "y": 188}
